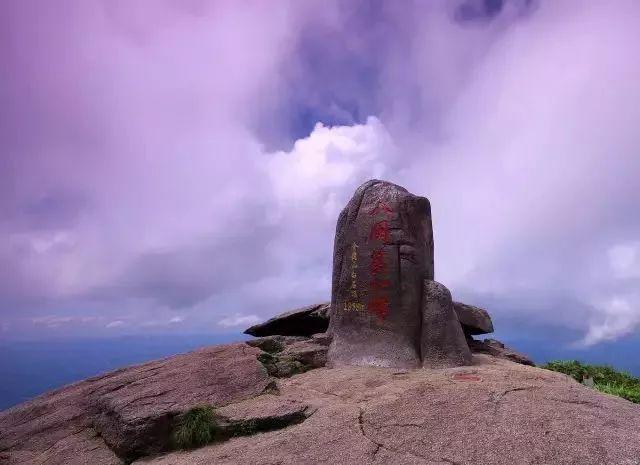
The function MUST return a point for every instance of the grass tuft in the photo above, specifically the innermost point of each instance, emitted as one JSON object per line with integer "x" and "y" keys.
{"x": 196, "y": 428}
{"x": 606, "y": 379}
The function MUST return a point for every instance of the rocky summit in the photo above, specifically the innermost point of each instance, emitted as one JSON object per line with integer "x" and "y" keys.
{"x": 389, "y": 372}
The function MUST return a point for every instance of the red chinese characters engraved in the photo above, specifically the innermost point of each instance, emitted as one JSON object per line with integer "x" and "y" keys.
{"x": 377, "y": 265}
{"x": 382, "y": 207}
{"x": 379, "y": 284}
{"x": 378, "y": 304}
{"x": 380, "y": 232}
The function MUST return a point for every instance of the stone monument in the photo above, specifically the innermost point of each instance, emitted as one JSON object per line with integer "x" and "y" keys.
{"x": 386, "y": 308}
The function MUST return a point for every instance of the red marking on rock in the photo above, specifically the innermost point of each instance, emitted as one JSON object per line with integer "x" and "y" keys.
{"x": 380, "y": 232}
{"x": 377, "y": 265}
{"x": 379, "y": 306}
{"x": 382, "y": 207}
{"x": 378, "y": 284}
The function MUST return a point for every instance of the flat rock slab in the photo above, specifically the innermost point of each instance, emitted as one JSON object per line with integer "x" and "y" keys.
{"x": 78, "y": 446}
{"x": 474, "y": 320}
{"x": 300, "y": 322}
{"x": 489, "y": 413}
{"x": 129, "y": 411}
{"x": 267, "y": 409}
{"x": 498, "y": 349}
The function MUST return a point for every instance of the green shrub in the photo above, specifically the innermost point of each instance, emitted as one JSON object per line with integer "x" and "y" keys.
{"x": 196, "y": 428}
{"x": 626, "y": 392}
{"x": 606, "y": 379}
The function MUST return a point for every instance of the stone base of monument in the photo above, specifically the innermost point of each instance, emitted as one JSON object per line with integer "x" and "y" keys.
{"x": 373, "y": 348}
{"x": 440, "y": 344}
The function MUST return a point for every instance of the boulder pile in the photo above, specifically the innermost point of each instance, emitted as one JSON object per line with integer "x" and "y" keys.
{"x": 386, "y": 310}
{"x": 294, "y": 326}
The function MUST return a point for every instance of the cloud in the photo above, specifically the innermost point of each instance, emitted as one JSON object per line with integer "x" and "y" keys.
{"x": 617, "y": 317}
{"x": 238, "y": 320}
{"x": 115, "y": 324}
{"x": 327, "y": 160}
{"x": 531, "y": 173}
{"x": 53, "y": 321}
{"x": 624, "y": 260}
{"x": 182, "y": 158}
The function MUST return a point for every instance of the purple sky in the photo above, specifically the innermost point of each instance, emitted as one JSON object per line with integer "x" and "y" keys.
{"x": 180, "y": 165}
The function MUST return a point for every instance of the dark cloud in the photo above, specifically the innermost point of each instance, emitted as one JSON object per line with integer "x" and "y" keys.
{"x": 487, "y": 10}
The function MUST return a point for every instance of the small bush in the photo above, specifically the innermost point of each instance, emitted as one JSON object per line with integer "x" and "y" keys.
{"x": 606, "y": 379}
{"x": 626, "y": 392}
{"x": 196, "y": 428}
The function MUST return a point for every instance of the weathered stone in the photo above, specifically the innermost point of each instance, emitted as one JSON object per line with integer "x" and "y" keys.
{"x": 443, "y": 342}
{"x": 486, "y": 413}
{"x": 324, "y": 339}
{"x": 495, "y": 412}
{"x": 300, "y": 322}
{"x": 474, "y": 320}
{"x": 274, "y": 344}
{"x": 310, "y": 354}
{"x": 383, "y": 251}
{"x": 498, "y": 349}
{"x": 128, "y": 412}
{"x": 262, "y": 413}
{"x": 134, "y": 412}
{"x": 295, "y": 358}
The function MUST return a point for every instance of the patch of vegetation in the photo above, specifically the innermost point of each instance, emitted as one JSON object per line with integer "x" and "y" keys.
{"x": 201, "y": 426}
{"x": 267, "y": 359}
{"x": 626, "y": 392}
{"x": 605, "y": 378}
{"x": 196, "y": 428}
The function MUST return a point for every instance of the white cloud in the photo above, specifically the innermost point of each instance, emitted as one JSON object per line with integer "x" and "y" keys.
{"x": 115, "y": 324}
{"x": 624, "y": 260}
{"x": 53, "y": 321}
{"x": 328, "y": 159}
{"x": 618, "y": 317}
{"x": 239, "y": 320}
{"x": 522, "y": 134}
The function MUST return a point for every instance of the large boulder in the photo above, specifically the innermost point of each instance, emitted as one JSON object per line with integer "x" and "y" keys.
{"x": 443, "y": 341}
{"x": 130, "y": 412}
{"x": 474, "y": 320}
{"x": 303, "y": 321}
{"x": 498, "y": 349}
{"x": 382, "y": 253}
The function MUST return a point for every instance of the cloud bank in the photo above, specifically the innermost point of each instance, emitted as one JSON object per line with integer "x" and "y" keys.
{"x": 181, "y": 166}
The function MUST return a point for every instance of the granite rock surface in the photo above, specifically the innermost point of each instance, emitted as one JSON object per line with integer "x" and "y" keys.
{"x": 383, "y": 251}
